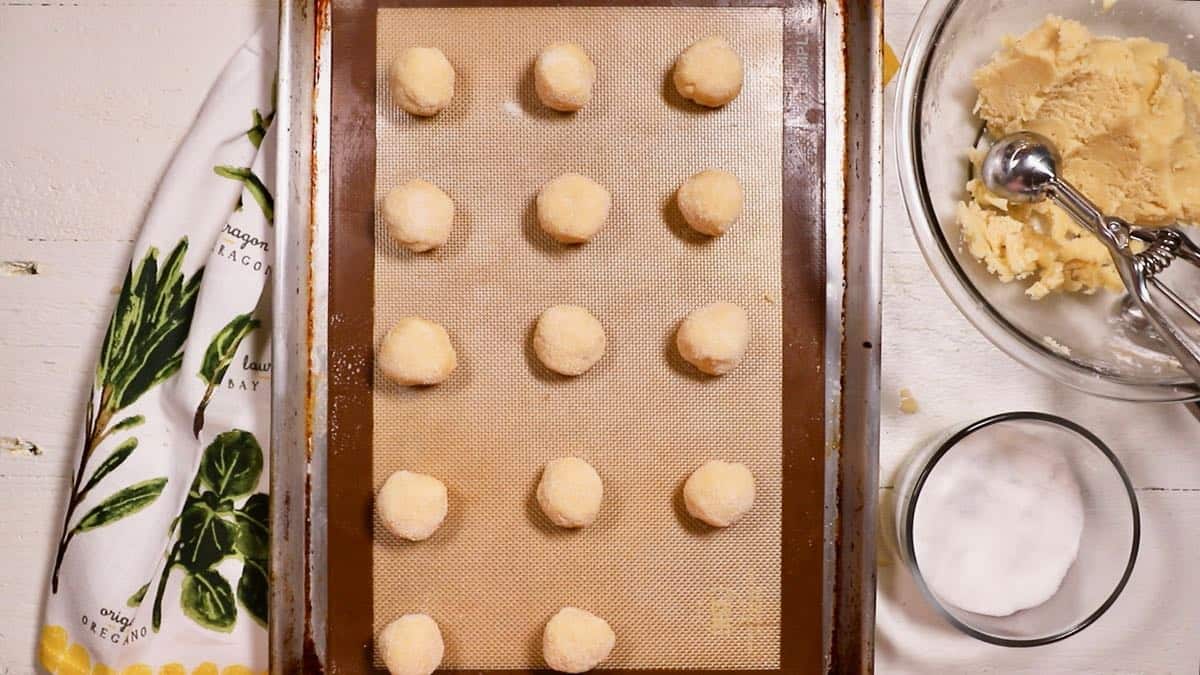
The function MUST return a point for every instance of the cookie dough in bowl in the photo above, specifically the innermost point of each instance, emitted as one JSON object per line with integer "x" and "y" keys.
{"x": 1122, "y": 113}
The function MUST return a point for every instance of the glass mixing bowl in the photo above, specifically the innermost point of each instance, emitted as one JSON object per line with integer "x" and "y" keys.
{"x": 1094, "y": 343}
{"x": 1108, "y": 544}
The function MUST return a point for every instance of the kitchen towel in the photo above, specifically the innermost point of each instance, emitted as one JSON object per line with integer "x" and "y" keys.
{"x": 162, "y": 558}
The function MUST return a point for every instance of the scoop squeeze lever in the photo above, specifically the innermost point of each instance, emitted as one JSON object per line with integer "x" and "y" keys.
{"x": 1023, "y": 167}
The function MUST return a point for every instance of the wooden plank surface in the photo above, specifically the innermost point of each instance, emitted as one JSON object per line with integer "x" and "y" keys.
{"x": 99, "y": 116}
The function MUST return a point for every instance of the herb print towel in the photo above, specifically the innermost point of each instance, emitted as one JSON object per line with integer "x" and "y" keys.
{"x": 161, "y": 564}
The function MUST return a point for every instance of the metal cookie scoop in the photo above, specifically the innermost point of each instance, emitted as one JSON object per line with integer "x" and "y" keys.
{"x": 1023, "y": 167}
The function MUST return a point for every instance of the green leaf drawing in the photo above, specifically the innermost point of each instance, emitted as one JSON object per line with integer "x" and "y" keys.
{"x": 122, "y": 503}
{"x": 207, "y": 599}
{"x": 253, "y": 185}
{"x": 129, "y": 423}
{"x": 223, "y": 346}
{"x": 110, "y": 463}
{"x": 232, "y": 464}
{"x": 253, "y": 539}
{"x": 204, "y": 536}
{"x": 211, "y": 527}
{"x": 143, "y": 346}
{"x": 252, "y": 590}
{"x": 258, "y": 131}
{"x": 220, "y": 352}
{"x": 135, "y": 600}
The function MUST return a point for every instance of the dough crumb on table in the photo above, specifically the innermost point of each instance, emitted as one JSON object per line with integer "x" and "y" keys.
{"x": 1124, "y": 116}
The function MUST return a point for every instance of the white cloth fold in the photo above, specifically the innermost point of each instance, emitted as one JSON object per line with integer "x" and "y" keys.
{"x": 162, "y": 560}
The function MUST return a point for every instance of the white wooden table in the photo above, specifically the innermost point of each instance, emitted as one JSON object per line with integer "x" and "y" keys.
{"x": 96, "y": 95}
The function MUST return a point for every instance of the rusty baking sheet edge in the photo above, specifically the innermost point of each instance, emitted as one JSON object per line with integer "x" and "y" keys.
{"x": 853, "y": 174}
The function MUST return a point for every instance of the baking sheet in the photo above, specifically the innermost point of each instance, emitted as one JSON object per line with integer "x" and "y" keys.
{"x": 677, "y": 595}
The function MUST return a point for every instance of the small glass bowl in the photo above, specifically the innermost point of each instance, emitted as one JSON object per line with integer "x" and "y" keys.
{"x": 1089, "y": 342}
{"x": 1108, "y": 546}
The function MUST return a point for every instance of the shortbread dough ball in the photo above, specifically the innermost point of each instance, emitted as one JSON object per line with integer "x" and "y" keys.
{"x": 709, "y": 73}
{"x": 418, "y": 215}
{"x": 719, "y": 493}
{"x": 714, "y": 337}
{"x": 412, "y": 505}
{"x": 710, "y": 201}
{"x": 576, "y": 641}
{"x": 422, "y": 80}
{"x": 570, "y": 492}
{"x": 411, "y": 645}
{"x": 572, "y": 208}
{"x": 417, "y": 352}
{"x": 568, "y": 339}
{"x": 563, "y": 76}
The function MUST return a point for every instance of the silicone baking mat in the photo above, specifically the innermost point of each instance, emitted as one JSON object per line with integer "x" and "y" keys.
{"x": 677, "y": 594}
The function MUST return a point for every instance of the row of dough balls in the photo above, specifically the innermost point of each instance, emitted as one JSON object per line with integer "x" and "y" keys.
{"x": 412, "y": 505}
{"x": 571, "y": 208}
{"x": 568, "y": 340}
{"x": 573, "y": 641}
{"x": 708, "y": 72}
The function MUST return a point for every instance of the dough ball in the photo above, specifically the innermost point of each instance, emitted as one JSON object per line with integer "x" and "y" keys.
{"x": 416, "y": 352}
{"x": 568, "y": 339}
{"x": 563, "y": 76}
{"x": 714, "y": 337}
{"x": 411, "y": 505}
{"x": 709, "y": 72}
{"x": 422, "y": 80}
{"x": 418, "y": 215}
{"x": 576, "y": 641}
{"x": 719, "y": 493}
{"x": 572, "y": 208}
{"x": 411, "y": 645}
{"x": 710, "y": 201}
{"x": 570, "y": 492}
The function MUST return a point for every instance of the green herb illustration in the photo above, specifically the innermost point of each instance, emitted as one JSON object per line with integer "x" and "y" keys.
{"x": 216, "y": 361}
{"x": 254, "y": 186}
{"x": 258, "y": 132}
{"x": 212, "y": 527}
{"x": 142, "y": 347}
